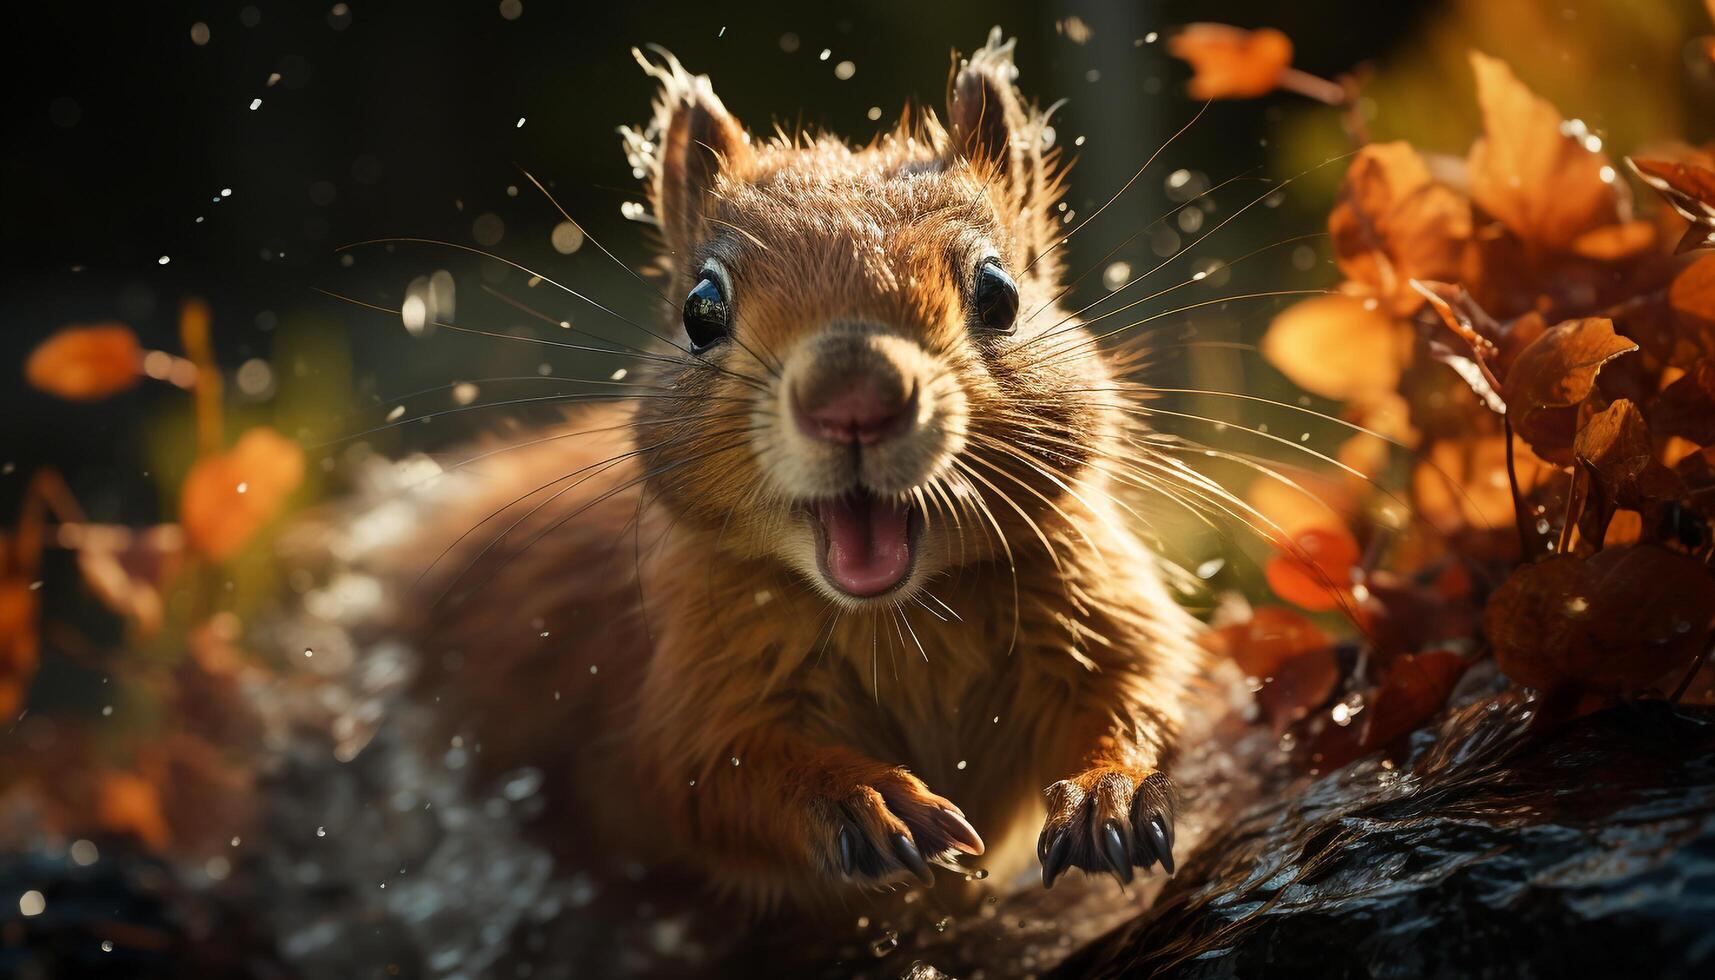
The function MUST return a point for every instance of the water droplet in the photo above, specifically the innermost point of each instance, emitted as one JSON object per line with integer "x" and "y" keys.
{"x": 32, "y": 903}
{"x": 1117, "y": 274}
{"x": 107, "y": 945}
{"x": 962, "y": 764}
{"x": 321, "y": 831}
{"x": 567, "y": 237}
{"x": 735, "y": 760}
{"x": 943, "y": 922}
{"x": 887, "y": 943}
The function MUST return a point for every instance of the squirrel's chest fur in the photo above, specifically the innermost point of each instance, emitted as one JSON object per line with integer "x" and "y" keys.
{"x": 974, "y": 688}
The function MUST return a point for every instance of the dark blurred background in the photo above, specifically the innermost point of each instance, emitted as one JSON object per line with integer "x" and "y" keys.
{"x": 140, "y": 166}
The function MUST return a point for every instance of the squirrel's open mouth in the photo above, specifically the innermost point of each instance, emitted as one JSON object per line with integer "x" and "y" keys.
{"x": 867, "y": 544}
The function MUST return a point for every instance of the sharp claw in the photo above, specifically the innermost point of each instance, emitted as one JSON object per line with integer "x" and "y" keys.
{"x": 1156, "y": 829}
{"x": 965, "y": 836}
{"x": 912, "y": 859}
{"x": 1042, "y": 845}
{"x": 848, "y": 851}
{"x": 1146, "y": 854}
{"x": 1114, "y": 849}
{"x": 1055, "y": 861}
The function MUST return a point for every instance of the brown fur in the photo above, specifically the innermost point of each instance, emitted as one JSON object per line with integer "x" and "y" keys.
{"x": 664, "y": 644}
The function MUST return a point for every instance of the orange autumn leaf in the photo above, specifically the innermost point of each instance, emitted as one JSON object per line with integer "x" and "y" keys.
{"x": 228, "y": 497}
{"x": 1232, "y": 63}
{"x": 1272, "y": 636}
{"x": 1612, "y": 243}
{"x": 129, "y": 804}
{"x": 1542, "y": 183}
{"x": 19, "y": 605}
{"x": 1312, "y": 573}
{"x": 1463, "y": 483}
{"x": 1339, "y": 347}
{"x": 1316, "y": 502}
{"x": 1691, "y": 298}
{"x": 1394, "y": 223}
{"x": 1689, "y": 189}
{"x": 86, "y": 363}
{"x": 1614, "y": 623}
{"x": 1553, "y": 375}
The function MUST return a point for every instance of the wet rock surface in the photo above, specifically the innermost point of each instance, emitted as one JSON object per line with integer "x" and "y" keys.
{"x": 1492, "y": 850}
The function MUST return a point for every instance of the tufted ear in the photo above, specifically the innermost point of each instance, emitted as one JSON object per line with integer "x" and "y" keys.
{"x": 993, "y": 127}
{"x": 690, "y": 144}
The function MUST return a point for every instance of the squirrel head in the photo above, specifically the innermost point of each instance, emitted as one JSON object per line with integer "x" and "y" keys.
{"x": 882, "y": 386}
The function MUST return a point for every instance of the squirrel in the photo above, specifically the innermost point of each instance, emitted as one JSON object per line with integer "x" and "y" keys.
{"x": 845, "y": 588}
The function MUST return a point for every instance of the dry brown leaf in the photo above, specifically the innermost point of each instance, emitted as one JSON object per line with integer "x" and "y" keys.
{"x": 1338, "y": 347}
{"x": 1552, "y": 376}
{"x": 1614, "y": 446}
{"x": 1478, "y": 332}
{"x": 86, "y": 363}
{"x": 1231, "y": 63}
{"x": 1298, "y": 686}
{"x": 1689, "y": 189}
{"x": 1614, "y": 623}
{"x": 1544, "y": 185}
{"x": 227, "y": 498}
{"x": 1686, "y": 408}
{"x": 1416, "y": 687}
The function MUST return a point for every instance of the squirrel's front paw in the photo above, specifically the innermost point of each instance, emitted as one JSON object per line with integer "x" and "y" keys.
{"x": 890, "y": 824}
{"x": 1108, "y": 819}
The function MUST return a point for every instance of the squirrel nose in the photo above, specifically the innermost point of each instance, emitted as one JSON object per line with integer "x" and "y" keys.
{"x": 863, "y": 412}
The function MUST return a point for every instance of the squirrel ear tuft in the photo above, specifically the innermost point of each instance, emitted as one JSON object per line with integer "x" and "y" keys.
{"x": 993, "y": 127}
{"x": 984, "y": 109}
{"x": 689, "y": 144}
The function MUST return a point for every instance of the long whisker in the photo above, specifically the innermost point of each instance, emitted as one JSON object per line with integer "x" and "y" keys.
{"x": 538, "y": 341}
{"x": 591, "y": 239}
{"x": 1125, "y": 187}
{"x": 1134, "y": 236}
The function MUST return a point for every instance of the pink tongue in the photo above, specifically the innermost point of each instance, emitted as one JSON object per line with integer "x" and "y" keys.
{"x": 868, "y": 549}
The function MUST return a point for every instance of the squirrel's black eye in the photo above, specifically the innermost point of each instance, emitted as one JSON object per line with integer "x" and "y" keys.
{"x": 708, "y": 318}
{"x": 996, "y": 297}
